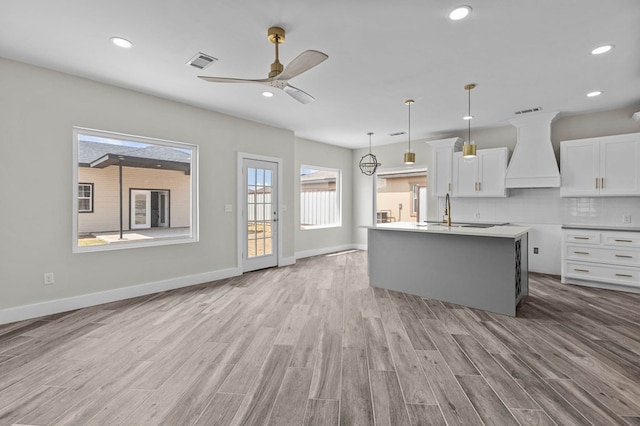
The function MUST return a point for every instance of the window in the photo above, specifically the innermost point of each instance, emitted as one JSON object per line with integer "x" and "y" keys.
{"x": 401, "y": 195}
{"x": 320, "y": 192}
{"x": 148, "y": 191}
{"x": 85, "y": 198}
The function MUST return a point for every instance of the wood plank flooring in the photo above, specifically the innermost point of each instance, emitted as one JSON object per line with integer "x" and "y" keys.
{"x": 313, "y": 344}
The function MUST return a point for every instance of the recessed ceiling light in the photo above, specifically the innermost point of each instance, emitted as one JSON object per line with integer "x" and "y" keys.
{"x": 602, "y": 49}
{"x": 121, "y": 42}
{"x": 267, "y": 94}
{"x": 594, "y": 94}
{"x": 468, "y": 117}
{"x": 459, "y": 13}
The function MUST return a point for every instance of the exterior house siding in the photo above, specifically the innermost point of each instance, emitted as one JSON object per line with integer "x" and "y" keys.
{"x": 106, "y": 216}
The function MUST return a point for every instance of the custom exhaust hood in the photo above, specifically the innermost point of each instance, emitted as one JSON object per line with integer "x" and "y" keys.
{"x": 533, "y": 163}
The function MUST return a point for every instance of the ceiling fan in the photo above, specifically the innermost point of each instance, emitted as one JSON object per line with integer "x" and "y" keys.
{"x": 279, "y": 76}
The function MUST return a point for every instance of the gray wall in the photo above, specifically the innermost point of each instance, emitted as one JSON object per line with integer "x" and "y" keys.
{"x": 315, "y": 241}
{"x": 38, "y": 108}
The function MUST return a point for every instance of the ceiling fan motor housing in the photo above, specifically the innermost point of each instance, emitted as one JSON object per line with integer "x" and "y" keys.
{"x": 276, "y": 36}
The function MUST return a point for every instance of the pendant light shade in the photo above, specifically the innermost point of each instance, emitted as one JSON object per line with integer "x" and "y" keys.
{"x": 369, "y": 163}
{"x": 469, "y": 147}
{"x": 409, "y": 157}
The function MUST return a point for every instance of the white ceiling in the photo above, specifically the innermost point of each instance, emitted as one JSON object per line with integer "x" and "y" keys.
{"x": 521, "y": 54}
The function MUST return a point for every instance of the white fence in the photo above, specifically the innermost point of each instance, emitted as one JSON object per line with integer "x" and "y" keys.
{"x": 259, "y": 207}
{"x": 319, "y": 208}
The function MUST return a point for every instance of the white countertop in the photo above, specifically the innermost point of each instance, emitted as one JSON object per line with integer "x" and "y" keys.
{"x": 506, "y": 231}
{"x": 625, "y": 228}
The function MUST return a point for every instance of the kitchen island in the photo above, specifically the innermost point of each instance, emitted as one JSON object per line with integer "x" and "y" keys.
{"x": 479, "y": 267}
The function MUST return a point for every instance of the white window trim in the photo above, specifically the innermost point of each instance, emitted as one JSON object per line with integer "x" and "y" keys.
{"x": 90, "y": 198}
{"x": 338, "y": 201}
{"x": 194, "y": 219}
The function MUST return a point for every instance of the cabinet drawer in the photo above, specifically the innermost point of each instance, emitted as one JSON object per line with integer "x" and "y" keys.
{"x": 616, "y": 256}
{"x": 582, "y": 237}
{"x": 629, "y": 239}
{"x": 608, "y": 274}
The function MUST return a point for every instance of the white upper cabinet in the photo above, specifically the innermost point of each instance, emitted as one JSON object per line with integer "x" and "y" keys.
{"x": 442, "y": 171}
{"x": 483, "y": 176}
{"x": 603, "y": 166}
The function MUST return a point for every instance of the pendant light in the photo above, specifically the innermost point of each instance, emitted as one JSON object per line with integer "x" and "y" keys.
{"x": 469, "y": 147}
{"x": 409, "y": 157}
{"x": 369, "y": 163}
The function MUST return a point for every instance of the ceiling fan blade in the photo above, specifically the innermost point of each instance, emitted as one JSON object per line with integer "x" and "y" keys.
{"x": 298, "y": 94}
{"x": 233, "y": 80}
{"x": 301, "y": 63}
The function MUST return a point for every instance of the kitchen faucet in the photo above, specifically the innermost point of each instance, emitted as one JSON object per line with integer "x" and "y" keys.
{"x": 447, "y": 209}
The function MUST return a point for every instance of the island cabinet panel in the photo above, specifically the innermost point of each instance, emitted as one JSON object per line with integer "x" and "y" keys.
{"x": 601, "y": 258}
{"x": 482, "y": 176}
{"x": 488, "y": 273}
{"x": 600, "y": 167}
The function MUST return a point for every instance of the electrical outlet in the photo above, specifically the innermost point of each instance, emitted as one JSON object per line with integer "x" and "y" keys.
{"x": 48, "y": 278}
{"x": 477, "y": 215}
{"x": 626, "y": 218}
{"x": 228, "y": 208}
{"x": 535, "y": 250}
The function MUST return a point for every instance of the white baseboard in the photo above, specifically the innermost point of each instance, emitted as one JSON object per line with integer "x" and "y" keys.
{"x": 286, "y": 261}
{"x": 36, "y": 310}
{"x": 326, "y": 250}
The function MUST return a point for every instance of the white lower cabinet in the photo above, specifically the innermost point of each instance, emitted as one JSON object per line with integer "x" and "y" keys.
{"x": 601, "y": 258}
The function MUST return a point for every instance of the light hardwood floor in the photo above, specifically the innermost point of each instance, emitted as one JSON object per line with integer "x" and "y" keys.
{"x": 313, "y": 344}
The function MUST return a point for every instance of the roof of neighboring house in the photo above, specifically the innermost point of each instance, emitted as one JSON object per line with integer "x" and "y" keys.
{"x": 318, "y": 176}
{"x": 101, "y": 155}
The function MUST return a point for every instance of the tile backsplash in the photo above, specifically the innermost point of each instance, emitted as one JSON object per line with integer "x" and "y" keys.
{"x": 544, "y": 206}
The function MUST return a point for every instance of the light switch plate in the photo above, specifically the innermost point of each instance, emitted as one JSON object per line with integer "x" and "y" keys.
{"x": 228, "y": 208}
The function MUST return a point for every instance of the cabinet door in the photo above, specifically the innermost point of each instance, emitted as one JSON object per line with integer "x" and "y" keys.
{"x": 579, "y": 164}
{"x": 465, "y": 176}
{"x": 492, "y": 165}
{"x": 620, "y": 165}
{"x": 442, "y": 162}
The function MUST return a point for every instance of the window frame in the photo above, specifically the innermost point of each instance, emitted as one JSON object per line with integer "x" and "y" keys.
{"x": 193, "y": 235}
{"x": 338, "y": 222}
{"x": 90, "y": 198}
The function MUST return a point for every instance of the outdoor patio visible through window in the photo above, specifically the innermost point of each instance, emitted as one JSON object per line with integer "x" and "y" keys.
{"x": 142, "y": 191}
{"x": 319, "y": 197}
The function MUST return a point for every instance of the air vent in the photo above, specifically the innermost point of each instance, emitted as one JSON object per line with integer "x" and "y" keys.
{"x": 527, "y": 111}
{"x": 397, "y": 133}
{"x": 201, "y": 61}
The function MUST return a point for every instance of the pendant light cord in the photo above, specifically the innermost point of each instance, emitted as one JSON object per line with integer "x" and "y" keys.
{"x": 409, "y": 103}
{"x": 469, "y": 124}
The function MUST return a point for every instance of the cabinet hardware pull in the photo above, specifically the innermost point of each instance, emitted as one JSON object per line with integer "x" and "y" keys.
{"x": 581, "y": 270}
{"x": 601, "y": 183}
{"x": 624, "y": 241}
{"x": 596, "y": 183}
{"x": 581, "y": 252}
{"x": 449, "y": 187}
{"x": 581, "y": 238}
{"x": 624, "y": 255}
{"x": 479, "y": 186}
{"x": 624, "y": 275}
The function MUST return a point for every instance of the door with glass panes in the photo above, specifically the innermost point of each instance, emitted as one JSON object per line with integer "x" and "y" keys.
{"x": 260, "y": 215}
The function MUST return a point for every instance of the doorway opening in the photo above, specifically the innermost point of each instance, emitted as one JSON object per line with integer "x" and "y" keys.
{"x": 149, "y": 208}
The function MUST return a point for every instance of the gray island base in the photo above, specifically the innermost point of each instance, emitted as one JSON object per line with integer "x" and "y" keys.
{"x": 479, "y": 268}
